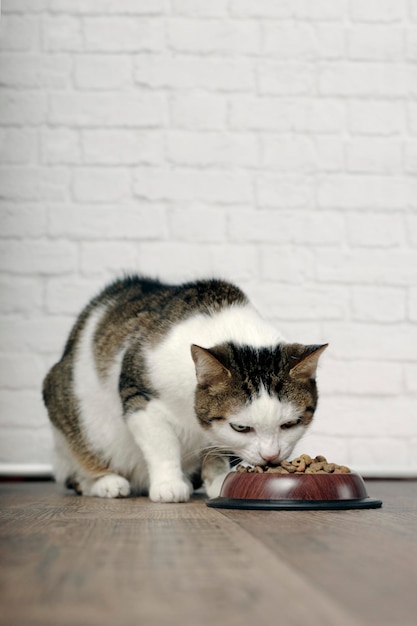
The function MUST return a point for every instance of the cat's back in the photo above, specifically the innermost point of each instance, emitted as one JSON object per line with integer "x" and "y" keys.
{"x": 150, "y": 308}
{"x": 156, "y": 305}
{"x": 177, "y": 301}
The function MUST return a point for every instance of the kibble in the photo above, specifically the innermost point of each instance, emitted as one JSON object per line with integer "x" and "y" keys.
{"x": 302, "y": 464}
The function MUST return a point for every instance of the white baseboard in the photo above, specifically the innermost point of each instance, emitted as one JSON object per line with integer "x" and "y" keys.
{"x": 30, "y": 470}
{"x": 379, "y": 471}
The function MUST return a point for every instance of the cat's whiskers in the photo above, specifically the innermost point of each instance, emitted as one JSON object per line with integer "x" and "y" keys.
{"x": 217, "y": 450}
{"x": 207, "y": 451}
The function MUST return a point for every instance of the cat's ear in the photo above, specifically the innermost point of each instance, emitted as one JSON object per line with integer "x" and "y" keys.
{"x": 308, "y": 358}
{"x": 209, "y": 370}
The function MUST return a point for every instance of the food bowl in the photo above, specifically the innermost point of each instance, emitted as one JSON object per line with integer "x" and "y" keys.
{"x": 295, "y": 491}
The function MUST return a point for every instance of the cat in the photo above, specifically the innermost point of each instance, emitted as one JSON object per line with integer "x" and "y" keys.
{"x": 159, "y": 385}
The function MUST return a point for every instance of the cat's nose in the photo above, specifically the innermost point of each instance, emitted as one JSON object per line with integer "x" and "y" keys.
{"x": 268, "y": 458}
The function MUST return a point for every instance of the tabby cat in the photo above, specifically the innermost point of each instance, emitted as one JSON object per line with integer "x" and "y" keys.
{"x": 160, "y": 384}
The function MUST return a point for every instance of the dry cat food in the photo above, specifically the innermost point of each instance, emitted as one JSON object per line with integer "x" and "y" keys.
{"x": 302, "y": 464}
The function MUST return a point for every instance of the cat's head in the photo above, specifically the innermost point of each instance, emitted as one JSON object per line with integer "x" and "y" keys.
{"x": 256, "y": 402}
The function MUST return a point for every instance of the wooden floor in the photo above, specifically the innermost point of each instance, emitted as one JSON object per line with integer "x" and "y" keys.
{"x": 83, "y": 561}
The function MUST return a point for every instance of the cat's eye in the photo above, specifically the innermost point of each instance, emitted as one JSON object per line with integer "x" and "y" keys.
{"x": 239, "y": 428}
{"x": 291, "y": 424}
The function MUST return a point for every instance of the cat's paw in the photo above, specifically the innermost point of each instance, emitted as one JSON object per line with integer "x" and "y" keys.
{"x": 170, "y": 491}
{"x": 213, "y": 488}
{"x": 110, "y": 486}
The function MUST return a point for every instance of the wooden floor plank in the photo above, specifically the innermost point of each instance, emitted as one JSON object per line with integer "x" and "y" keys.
{"x": 68, "y": 560}
{"x": 72, "y": 560}
{"x": 366, "y": 560}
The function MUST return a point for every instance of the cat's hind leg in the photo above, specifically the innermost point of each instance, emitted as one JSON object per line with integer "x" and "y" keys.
{"x": 107, "y": 486}
{"x": 79, "y": 474}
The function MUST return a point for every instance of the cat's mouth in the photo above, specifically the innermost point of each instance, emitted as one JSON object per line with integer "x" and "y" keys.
{"x": 259, "y": 460}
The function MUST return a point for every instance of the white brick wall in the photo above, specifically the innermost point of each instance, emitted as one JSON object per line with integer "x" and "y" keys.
{"x": 271, "y": 142}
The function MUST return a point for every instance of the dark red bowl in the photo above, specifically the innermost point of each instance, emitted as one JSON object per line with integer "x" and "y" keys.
{"x": 293, "y": 491}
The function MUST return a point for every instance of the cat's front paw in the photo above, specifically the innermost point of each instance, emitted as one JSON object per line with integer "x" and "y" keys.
{"x": 170, "y": 491}
{"x": 213, "y": 488}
